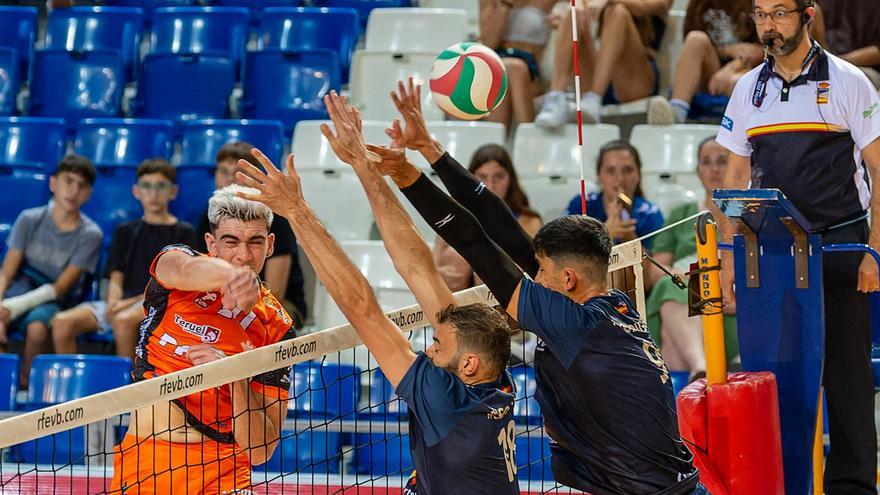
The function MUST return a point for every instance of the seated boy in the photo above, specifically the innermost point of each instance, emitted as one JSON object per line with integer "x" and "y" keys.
{"x": 132, "y": 249}
{"x": 52, "y": 249}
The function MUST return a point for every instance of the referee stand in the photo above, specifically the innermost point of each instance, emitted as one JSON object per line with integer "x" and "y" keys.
{"x": 747, "y": 429}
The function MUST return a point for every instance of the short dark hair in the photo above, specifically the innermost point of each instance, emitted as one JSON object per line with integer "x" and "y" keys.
{"x": 79, "y": 165}
{"x": 618, "y": 145}
{"x": 482, "y": 330}
{"x": 236, "y": 150}
{"x": 157, "y": 166}
{"x": 576, "y": 236}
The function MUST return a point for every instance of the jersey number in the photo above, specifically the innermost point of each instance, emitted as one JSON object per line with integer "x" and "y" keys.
{"x": 507, "y": 441}
{"x": 654, "y": 356}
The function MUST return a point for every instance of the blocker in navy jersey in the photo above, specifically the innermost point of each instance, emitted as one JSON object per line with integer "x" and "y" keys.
{"x": 605, "y": 395}
{"x": 461, "y": 437}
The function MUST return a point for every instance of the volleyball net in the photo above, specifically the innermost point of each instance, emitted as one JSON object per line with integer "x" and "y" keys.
{"x": 342, "y": 428}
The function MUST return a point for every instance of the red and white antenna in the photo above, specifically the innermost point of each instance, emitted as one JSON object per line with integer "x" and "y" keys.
{"x": 577, "y": 99}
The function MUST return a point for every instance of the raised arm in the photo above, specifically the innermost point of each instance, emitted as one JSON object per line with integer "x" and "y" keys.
{"x": 411, "y": 256}
{"x": 345, "y": 284}
{"x": 491, "y": 211}
{"x": 457, "y": 226}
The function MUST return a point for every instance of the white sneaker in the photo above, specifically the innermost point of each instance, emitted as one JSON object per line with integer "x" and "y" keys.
{"x": 660, "y": 111}
{"x": 591, "y": 109}
{"x": 554, "y": 111}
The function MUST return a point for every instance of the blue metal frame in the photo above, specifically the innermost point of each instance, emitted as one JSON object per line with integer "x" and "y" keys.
{"x": 783, "y": 328}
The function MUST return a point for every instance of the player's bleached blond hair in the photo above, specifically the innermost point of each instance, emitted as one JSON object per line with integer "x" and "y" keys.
{"x": 225, "y": 205}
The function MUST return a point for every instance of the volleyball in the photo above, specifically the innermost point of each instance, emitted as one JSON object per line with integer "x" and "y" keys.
{"x": 468, "y": 81}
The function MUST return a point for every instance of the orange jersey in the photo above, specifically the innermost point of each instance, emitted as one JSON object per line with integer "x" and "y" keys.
{"x": 176, "y": 319}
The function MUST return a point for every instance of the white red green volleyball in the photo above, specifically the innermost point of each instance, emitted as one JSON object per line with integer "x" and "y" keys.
{"x": 468, "y": 81}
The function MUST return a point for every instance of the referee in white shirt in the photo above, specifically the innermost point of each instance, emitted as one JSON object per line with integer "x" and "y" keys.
{"x": 808, "y": 123}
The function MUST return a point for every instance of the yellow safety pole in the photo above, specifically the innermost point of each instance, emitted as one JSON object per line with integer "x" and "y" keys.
{"x": 710, "y": 297}
{"x": 818, "y": 452}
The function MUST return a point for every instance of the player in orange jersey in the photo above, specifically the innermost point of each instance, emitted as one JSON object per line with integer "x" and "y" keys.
{"x": 199, "y": 309}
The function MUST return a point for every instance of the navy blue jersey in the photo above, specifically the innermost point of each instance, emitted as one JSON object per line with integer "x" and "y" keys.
{"x": 605, "y": 396}
{"x": 461, "y": 437}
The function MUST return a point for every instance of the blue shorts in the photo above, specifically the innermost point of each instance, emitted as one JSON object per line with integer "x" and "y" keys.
{"x": 610, "y": 97}
{"x": 42, "y": 313}
{"x": 528, "y": 58}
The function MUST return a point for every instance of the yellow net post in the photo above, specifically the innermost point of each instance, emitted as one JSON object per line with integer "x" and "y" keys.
{"x": 818, "y": 452}
{"x": 710, "y": 299}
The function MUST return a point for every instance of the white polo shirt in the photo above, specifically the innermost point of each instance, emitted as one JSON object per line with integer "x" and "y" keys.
{"x": 805, "y": 137}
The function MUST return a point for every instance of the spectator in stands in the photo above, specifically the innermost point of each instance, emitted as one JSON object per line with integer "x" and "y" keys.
{"x": 132, "y": 249}
{"x": 720, "y": 45}
{"x": 620, "y": 203}
{"x": 282, "y": 272}
{"x": 680, "y": 337}
{"x": 518, "y": 30}
{"x": 623, "y": 68}
{"x": 853, "y": 33}
{"x": 492, "y": 165}
{"x": 53, "y": 250}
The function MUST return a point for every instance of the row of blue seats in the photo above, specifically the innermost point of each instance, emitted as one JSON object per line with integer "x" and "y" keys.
{"x": 332, "y": 25}
{"x": 92, "y": 51}
{"x": 31, "y": 147}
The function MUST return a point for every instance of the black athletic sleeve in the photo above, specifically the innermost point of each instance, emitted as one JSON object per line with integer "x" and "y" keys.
{"x": 491, "y": 211}
{"x": 457, "y": 226}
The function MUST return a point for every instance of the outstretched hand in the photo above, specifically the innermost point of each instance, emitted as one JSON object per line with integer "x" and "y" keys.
{"x": 348, "y": 140}
{"x": 280, "y": 192}
{"x": 392, "y": 162}
{"x": 408, "y": 100}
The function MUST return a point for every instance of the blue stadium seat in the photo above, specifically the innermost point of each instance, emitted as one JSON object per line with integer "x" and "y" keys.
{"x": 77, "y": 85}
{"x": 83, "y": 29}
{"x": 525, "y": 409}
{"x": 216, "y": 31}
{"x": 256, "y": 7}
{"x": 18, "y": 31}
{"x": 112, "y": 201}
{"x": 149, "y": 6}
{"x": 311, "y": 29}
{"x": 315, "y": 450}
{"x": 31, "y": 185}
{"x": 533, "y": 456}
{"x": 31, "y": 140}
{"x": 679, "y": 381}
{"x": 323, "y": 394}
{"x": 383, "y": 400}
{"x": 383, "y": 453}
{"x": 201, "y": 142}
{"x": 8, "y": 381}
{"x": 363, "y": 7}
{"x": 325, "y": 390}
{"x": 185, "y": 87}
{"x": 124, "y": 141}
{"x": 10, "y": 81}
{"x": 202, "y": 139}
{"x": 196, "y": 186}
{"x": 57, "y": 378}
{"x": 289, "y": 86}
